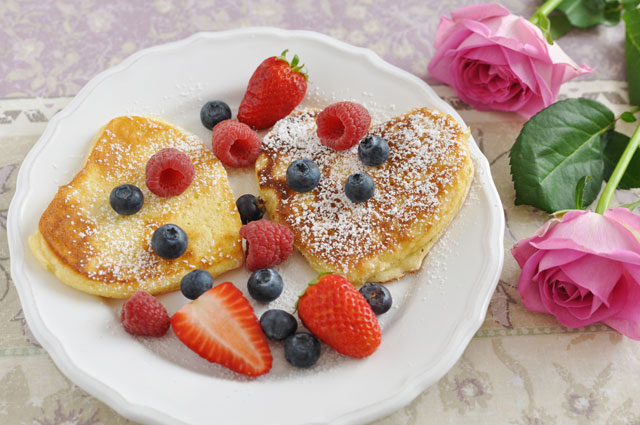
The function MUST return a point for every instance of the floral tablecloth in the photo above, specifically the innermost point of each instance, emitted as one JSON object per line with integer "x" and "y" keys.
{"x": 520, "y": 368}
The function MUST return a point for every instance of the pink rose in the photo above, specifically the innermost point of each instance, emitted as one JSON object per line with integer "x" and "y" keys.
{"x": 496, "y": 60}
{"x": 584, "y": 268}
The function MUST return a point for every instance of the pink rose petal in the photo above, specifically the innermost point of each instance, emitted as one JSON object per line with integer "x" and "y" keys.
{"x": 531, "y": 70}
{"x": 596, "y": 274}
{"x": 584, "y": 269}
{"x": 559, "y": 257}
{"x": 479, "y": 12}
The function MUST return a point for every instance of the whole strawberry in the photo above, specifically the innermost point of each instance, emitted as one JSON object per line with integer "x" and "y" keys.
{"x": 335, "y": 312}
{"x": 275, "y": 89}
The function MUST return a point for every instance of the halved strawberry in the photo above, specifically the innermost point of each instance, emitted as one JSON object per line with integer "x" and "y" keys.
{"x": 221, "y": 326}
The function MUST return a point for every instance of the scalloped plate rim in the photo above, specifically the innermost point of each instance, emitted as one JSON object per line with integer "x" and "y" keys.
{"x": 411, "y": 388}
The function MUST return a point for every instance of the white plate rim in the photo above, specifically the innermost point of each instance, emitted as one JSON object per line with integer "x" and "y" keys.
{"x": 458, "y": 343}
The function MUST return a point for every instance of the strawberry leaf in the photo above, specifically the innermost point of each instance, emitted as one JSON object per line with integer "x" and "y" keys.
{"x": 295, "y": 62}
{"x": 555, "y": 149}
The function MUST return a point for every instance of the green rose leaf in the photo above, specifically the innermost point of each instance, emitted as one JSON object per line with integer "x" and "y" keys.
{"x": 615, "y": 144}
{"x": 632, "y": 206}
{"x": 555, "y": 149}
{"x": 632, "y": 48}
{"x": 560, "y": 25}
{"x": 580, "y": 192}
{"x": 588, "y": 13}
{"x": 630, "y": 4}
{"x": 628, "y": 117}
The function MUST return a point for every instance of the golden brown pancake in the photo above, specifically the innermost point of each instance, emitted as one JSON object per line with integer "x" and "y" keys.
{"x": 419, "y": 190}
{"x": 90, "y": 247}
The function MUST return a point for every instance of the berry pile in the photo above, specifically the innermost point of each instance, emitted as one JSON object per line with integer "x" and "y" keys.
{"x": 219, "y": 323}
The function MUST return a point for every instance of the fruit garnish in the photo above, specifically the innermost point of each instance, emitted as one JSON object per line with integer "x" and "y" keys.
{"x": 302, "y": 349}
{"x": 169, "y": 241}
{"x": 169, "y": 172}
{"x": 342, "y": 125}
{"x": 265, "y": 285}
{"x": 373, "y": 150}
{"x": 126, "y": 199}
{"x": 214, "y": 112}
{"x": 335, "y": 312}
{"x": 274, "y": 90}
{"x": 195, "y": 283}
{"x": 303, "y": 175}
{"x": 359, "y": 187}
{"x": 268, "y": 243}
{"x": 251, "y": 208}
{"x": 278, "y": 324}
{"x": 142, "y": 314}
{"x": 235, "y": 144}
{"x": 378, "y": 297}
{"x": 221, "y": 326}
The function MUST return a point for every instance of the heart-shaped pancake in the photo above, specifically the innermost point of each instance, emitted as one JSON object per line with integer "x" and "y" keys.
{"x": 418, "y": 191}
{"x": 90, "y": 247}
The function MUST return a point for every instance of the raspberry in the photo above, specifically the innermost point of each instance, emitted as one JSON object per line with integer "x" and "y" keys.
{"x": 142, "y": 314}
{"x": 235, "y": 143}
{"x": 268, "y": 243}
{"x": 169, "y": 172}
{"x": 342, "y": 125}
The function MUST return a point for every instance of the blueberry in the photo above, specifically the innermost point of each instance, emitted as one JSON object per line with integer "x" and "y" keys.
{"x": 359, "y": 187}
{"x": 302, "y": 349}
{"x": 278, "y": 324}
{"x": 213, "y": 112}
{"x": 250, "y": 208}
{"x": 378, "y": 297}
{"x": 265, "y": 285}
{"x": 126, "y": 199}
{"x": 169, "y": 241}
{"x": 373, "y": 150}
{"x": 194, "y": 283}
{"x": 303, "y": 175}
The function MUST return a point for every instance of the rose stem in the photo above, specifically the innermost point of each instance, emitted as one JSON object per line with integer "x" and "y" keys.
{"x": 618, "y": 172}
{"x": 544, "y": 10}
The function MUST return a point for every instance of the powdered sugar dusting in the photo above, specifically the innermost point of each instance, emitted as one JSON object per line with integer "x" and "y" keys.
{"x": 108, "y": 247}
{"x": 425, "y": 156}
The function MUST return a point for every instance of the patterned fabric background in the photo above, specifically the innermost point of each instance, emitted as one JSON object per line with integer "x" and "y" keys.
{"x": 51, "y": 48}
{"x": 521, "y": 368}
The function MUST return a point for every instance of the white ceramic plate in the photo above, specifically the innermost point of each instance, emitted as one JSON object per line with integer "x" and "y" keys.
{"x": 159, "y": 381}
